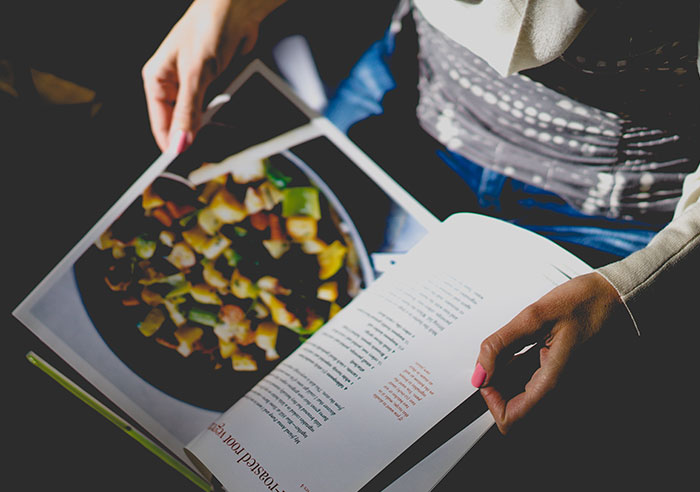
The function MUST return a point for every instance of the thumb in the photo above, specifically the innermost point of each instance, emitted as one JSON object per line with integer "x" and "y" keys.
{"x": 500, "y": 347}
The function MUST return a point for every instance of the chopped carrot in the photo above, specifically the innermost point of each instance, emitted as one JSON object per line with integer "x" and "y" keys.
{"x": 276, "y": 232}
{"x": 178, "y": 211}
{"x": 259, "y": 221}
{"x": 162, "y": 215}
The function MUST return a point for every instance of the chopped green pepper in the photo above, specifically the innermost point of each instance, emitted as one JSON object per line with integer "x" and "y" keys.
{"x": 276, "y": 177}
{"x": 179, "y": 290}
{"x": 232, "y": 257}
{"x": 203, "y": 316}
{"x": 301, "y": 200}
{"x": 184, "y": 221}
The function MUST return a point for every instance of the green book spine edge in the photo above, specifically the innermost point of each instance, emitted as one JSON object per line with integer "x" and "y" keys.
{"x": 116, "y": 420}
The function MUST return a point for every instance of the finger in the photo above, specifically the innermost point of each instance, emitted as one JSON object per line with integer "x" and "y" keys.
{"x": 507, "y": 410}
{"x": 195, "y": 77}
{"x": 160, "y": 89}
{"x": 499, "y": 348}
{"x": 251, "y": 37}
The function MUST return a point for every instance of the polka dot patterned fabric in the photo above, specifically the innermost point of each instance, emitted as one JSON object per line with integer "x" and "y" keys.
{"x": 612, "y": 126}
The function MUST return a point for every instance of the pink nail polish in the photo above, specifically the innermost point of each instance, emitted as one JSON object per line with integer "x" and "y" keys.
{"x": 184, "y": 140}
{"x": 479, "y": 376}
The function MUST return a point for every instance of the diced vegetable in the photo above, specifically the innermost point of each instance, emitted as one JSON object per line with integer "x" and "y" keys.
{"x": 242, "y": 287}
{"x": 232, "y": 258}
{"x": 266, "y": 339}
{"x": 159, "y": 278}
{"x": 259, "y": 310}
{"x": 187, "y": 219}
{"x": 276, "y": 177}
{"x": 302, "y": 228}
{"x": 152, "y": 322}
{"x": 151, "y": 298}
{"x": 334, "y": 309}
{"x": 212, "y": 187}
{"x": 257, "y": 206}
{"x": 259, "y": 221}
{"x": 313, "y": 246}
{"x": 231, "y": 314}
{"x": 214, "y": 277}
{"x": 178, "y": 211}
{"x": 272, "y": 284}
{"x": 276, "y": 247}
{"x": 174, "y": 312}
{"x": 243, "y": 362}
{"x": 196, "y": 238}
{"x": 248, "y": 171}
{"x": 188, "y": 336}
{"x": 226, "y": 348}
{"x": 240, "y": 332}
{"x": 205, "y": 294}
{"x": 105, "y": 241}
{"x": 276, "y": 232}
{"x": 270, "y": 194}
{"x": 279, "y": 312}
{"x": 203, "y": 316}
{"x": 330, "y": 260}
{"x": 143, "y": 247}
{"x": 209, "y": 221}
{"x": 227, "y": 208}
{"x": 118, "y": 251}
{"x": 150, "y": 200}
{"x": 179, "y": 290}
{"x": 182, "y": 256}
{"x": 313, "y": 326}
{"x": 253, "y": 201}
{"x": 167, "y": 238}
{"x": 328, "y": 291}
{"x": 163, "y": 217}
{"x": 215, "y": 246}
{"x": 301, "y": 200}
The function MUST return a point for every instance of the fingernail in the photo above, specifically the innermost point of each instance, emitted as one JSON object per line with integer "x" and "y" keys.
{"x": 479, "y": 376}
{"x": 184, "y": 139}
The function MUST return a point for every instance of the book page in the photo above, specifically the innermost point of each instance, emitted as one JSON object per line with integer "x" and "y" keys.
{"x": 389, "y": 366}
{"x": 143, "y": 307}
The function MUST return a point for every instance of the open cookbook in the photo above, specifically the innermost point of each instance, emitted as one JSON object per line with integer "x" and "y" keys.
{"x": 275, "y": 312}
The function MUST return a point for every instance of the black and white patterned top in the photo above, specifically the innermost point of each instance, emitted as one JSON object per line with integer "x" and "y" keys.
{"x": 612, "y": 125}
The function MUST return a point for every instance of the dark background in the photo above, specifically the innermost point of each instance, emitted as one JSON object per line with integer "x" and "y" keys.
{"x": 624, "y": 424}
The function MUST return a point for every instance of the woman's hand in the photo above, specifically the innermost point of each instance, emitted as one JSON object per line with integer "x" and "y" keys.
{"x": 558, "y": 323}
{"x": 198, "y": 48}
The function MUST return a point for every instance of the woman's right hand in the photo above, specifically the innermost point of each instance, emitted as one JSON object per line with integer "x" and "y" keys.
{"x": 198, "y": 48}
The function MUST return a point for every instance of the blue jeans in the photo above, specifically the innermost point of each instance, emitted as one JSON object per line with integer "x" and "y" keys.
{"x": 360, "y": 96}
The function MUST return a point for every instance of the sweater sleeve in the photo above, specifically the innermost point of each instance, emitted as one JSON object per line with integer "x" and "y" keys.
{"x": 658, "y": 284}
{"x": 510, "y": 35}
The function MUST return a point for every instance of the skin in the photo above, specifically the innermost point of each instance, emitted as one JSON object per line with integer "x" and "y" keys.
{"x": 196, "y": 51}
{"x": 560, "y": 322}
{"x": 199, "y": 48}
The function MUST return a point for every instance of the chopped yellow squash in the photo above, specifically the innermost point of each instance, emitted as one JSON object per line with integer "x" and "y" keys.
{"x": 330, "y": 260}
{"x": 187, "y": 336}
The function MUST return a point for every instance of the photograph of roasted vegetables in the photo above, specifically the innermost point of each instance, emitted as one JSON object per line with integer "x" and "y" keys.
{"x": 219, "y": 270}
